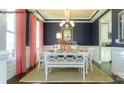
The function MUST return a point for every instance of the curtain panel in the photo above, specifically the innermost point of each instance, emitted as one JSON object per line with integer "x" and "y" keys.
{"x": 41, "y": 36}
{"x": 20, "y": 41}
{"x": 32, "y": 40}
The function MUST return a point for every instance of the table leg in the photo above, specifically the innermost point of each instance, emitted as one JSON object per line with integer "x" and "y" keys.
{"x": 46, "y": 72}
{"x": 84, "y": 74}
{"x": 86, "y": 68}
{"x": 87, "y": 64}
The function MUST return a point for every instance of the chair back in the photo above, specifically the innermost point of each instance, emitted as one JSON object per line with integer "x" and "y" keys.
{"x": 56, "y": 47}
{"x": 74, "y": 47}
{"x": 90, "y": 53}
{"x": 40, "y": 54}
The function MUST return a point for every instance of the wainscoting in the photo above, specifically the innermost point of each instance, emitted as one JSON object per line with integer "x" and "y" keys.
{"x": 118, "y": 61}
{"x": 11, "y": 68}
{"x": 27, "y": 57}
{"x": 96, "y": 52}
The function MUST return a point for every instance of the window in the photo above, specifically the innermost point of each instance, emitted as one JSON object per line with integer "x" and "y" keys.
{"x": 10, "y": 34}
{"x": 37, "y": 34}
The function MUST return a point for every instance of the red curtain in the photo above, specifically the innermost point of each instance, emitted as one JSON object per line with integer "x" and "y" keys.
{"x": 20, "y": 41}
{"x": 41, "y": 37}
{"x": 32, "y": 40}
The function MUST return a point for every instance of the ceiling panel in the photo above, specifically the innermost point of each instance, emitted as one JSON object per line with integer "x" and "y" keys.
{"x": 74, "y": 14}
{"x": 52, "y": 14}
{"x": 81, "y": 14}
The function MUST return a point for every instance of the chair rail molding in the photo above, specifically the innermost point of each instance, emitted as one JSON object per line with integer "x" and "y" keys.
{"x": 4, "y": 55}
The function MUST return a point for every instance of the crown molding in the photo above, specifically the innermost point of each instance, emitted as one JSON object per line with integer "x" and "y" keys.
{"x": 74, "y": 22}
{"x": 101, "y": 12}
{"x": 37, "y": 14}
{"x": 95, "y": 15}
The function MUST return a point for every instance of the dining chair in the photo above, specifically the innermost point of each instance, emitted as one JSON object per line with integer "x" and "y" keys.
{"x": 74, "y": 47}
{"x": 90, "y": 57}
{"x": 56, "y": 47}
{"x": 40, "y": 59}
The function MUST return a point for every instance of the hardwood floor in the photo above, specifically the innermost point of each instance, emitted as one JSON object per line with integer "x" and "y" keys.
{"x": 15, "y": 79}
{"x": 106, "y": 68}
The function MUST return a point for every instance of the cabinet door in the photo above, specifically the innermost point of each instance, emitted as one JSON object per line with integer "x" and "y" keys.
{"x": 105, "y": 54}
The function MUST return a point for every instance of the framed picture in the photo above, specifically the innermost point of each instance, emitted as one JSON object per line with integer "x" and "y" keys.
{"x": 67, "y": 34}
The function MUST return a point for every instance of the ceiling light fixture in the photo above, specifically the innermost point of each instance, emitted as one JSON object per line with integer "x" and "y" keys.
{"x": 67, "y": 23}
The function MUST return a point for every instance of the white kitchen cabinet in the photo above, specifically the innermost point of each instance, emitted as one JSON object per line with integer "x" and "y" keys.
{"x": 105, "y": 54}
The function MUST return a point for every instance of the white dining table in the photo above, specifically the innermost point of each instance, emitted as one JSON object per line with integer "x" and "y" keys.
{"x": 66, "y": 60}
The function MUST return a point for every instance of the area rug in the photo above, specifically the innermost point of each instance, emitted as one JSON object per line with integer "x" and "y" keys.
{"x": 66, "y": 75}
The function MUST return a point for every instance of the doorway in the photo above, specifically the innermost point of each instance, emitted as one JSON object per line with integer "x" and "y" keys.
{"x": 105, "y": 42}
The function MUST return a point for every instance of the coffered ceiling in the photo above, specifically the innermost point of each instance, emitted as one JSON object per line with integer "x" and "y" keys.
{"x": 81, "y": 15}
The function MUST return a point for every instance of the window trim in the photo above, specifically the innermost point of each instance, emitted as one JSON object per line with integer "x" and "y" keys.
{"x": 14, "y": 32}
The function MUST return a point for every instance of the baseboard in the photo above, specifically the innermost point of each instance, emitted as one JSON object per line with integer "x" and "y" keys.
{"x": 96, "y": 63}
{"x": 117, "y": 78}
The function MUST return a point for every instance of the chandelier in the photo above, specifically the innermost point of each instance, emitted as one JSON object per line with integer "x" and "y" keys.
{"x": 67, "y": 23}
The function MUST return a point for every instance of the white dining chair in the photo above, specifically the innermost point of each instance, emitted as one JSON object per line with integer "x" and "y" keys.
{"x": 56, "y": 47}
{"x": 90, "y": 57}
{"x": 74, "y": 47}
{"x": 40, "y": 59}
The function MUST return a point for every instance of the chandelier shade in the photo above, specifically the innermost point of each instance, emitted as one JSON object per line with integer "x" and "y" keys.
{"x": 67, "y": 23}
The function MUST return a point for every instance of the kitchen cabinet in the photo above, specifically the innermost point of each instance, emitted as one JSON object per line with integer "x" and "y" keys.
{"x": 105, "y": 54}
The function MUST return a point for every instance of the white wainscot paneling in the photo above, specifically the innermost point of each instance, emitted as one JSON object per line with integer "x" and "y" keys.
{"x": 96, "y": 52}
{"x": 11, "y": 68}
{"x": 118, "y": 61}
{"x": 47, "y": 47}
{"x": 27, "y": 57}
{"x": 37, "y": 54}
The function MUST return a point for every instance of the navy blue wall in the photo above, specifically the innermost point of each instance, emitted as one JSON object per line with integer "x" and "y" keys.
{"x": 50, "y": 30}
{"x": 82, "y": 33}
{"x": 115, "y": 27}
{"x": 95, "y": 32}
